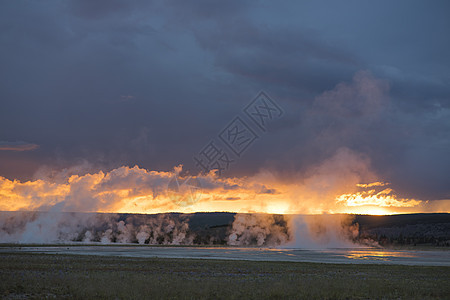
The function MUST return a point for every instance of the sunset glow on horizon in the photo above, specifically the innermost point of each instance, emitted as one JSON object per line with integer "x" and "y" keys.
{"x": 136, "y": 190}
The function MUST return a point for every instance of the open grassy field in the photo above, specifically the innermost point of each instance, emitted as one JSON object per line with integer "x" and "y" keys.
{"x": 81, "y": 277}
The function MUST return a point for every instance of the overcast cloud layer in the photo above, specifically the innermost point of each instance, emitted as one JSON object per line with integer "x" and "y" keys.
{"x": 103, "y": 84}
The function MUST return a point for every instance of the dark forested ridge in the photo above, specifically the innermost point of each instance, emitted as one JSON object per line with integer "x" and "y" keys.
{"x": 409, "y": 229}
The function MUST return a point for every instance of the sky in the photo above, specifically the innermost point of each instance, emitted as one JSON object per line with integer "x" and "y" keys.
{"x": 360, "y": 93}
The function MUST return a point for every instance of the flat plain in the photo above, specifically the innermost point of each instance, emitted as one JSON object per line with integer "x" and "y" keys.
{"x": 40, "y": 276}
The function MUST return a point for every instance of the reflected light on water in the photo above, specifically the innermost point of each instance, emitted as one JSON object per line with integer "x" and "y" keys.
{"x": 384, "y": 255}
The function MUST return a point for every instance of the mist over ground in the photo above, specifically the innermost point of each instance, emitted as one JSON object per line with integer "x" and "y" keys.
{"x": 263, "y": 230}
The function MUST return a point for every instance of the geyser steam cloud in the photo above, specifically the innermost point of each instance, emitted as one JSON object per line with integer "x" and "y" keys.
{"x": 264, "y": 230}
{"x": 55, "y": 227}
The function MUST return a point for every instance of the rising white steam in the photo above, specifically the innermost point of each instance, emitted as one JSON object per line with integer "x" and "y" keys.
{"x": 57, "y": 227}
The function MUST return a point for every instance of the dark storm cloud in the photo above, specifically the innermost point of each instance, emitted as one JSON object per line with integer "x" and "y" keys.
{"x": 285, "y": 57}
{"x": 117, "y": 83}
{"x": 17, "y": 146}
{"x": 99, "y": 9}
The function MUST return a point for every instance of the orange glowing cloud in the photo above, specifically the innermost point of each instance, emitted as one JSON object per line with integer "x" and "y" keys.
{"x": 366, "y": 185}
{"x": 133, "y": 190}
{"x": 330, "y": 187}
{"x": 385, "y": 198}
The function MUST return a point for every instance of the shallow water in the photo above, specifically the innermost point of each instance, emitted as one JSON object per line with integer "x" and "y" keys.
{"x": 343, "y": 255}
